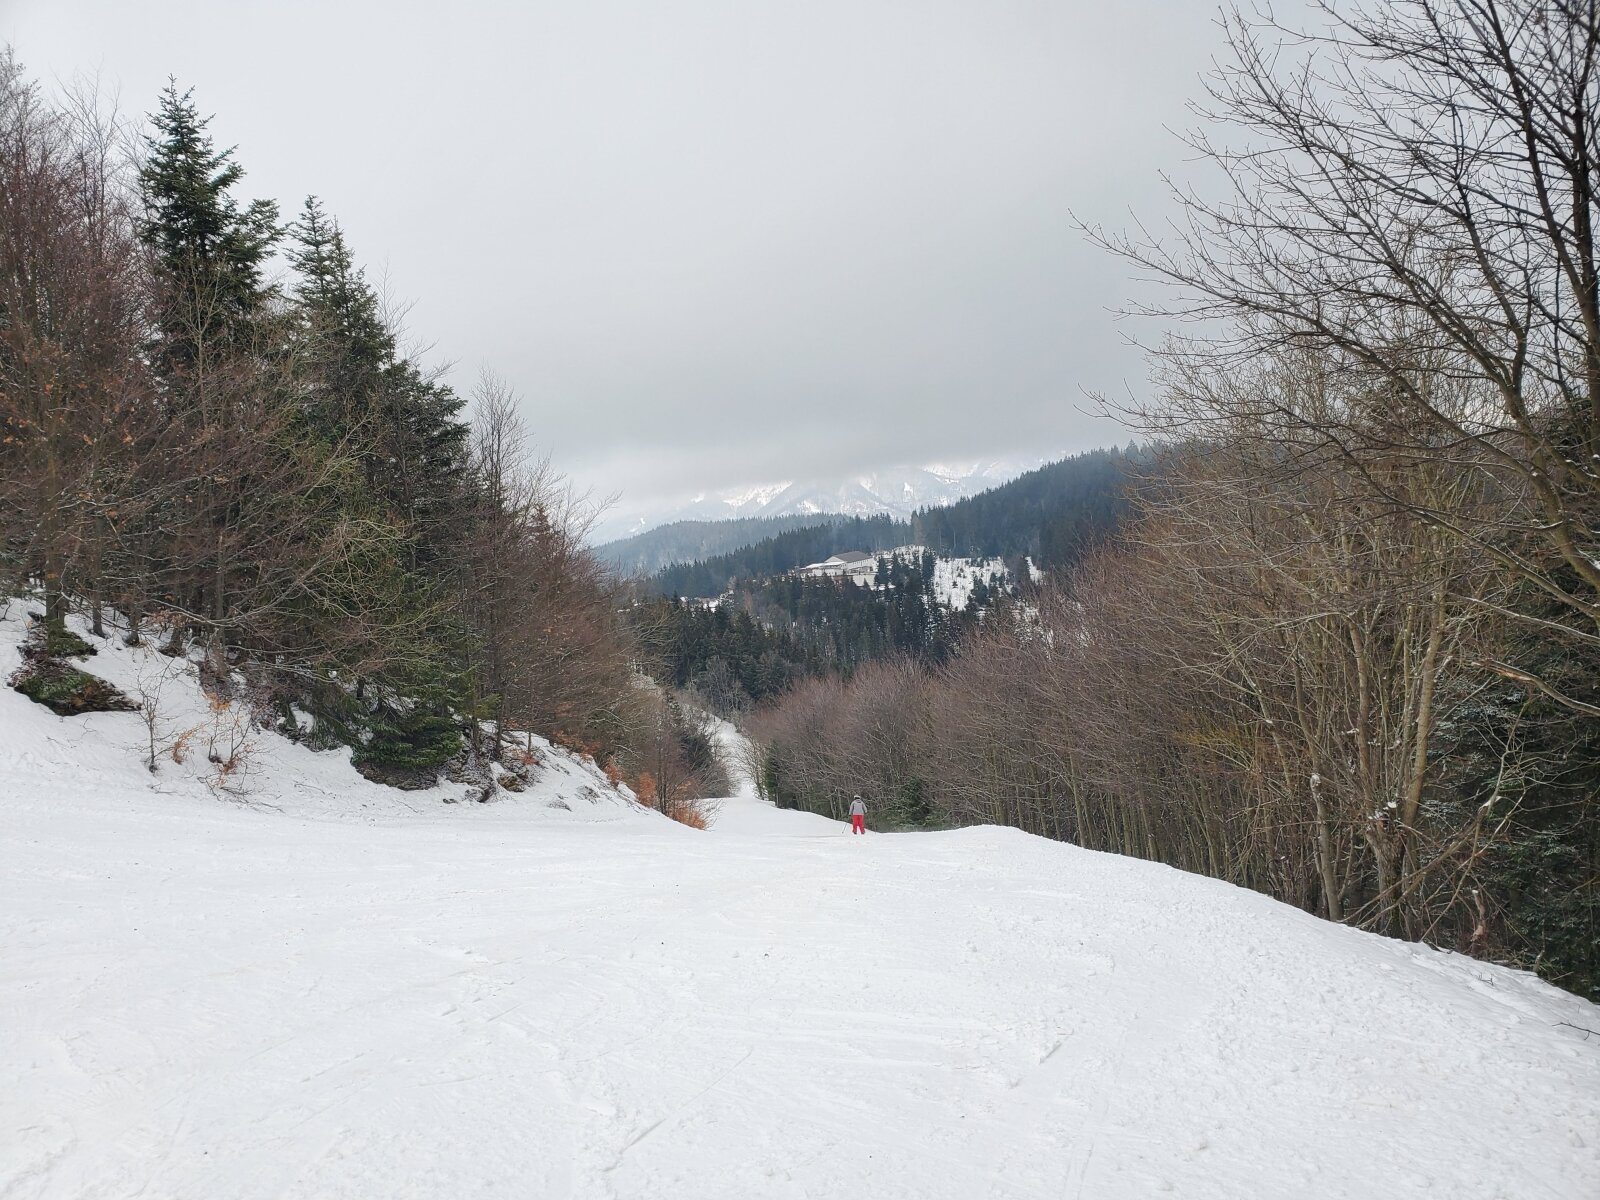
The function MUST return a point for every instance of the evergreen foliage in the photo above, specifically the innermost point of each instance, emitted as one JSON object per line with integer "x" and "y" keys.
{"x": 209, "y": 252}
{"x": 341, "y": 335}
{"x": 264, "y": 473}
{"x": 61, "y": 642}
{"x": 45, "y": 678}
{"x": 1525, "y": 772}
{"x": 780, "y": 553}
{"x": 845, "y": 625}
{"x": 1055, "y": 514}
{"x": 643, "y": 554}
{"x": 726, "y": 656}
{"x": 415, "y": 740}
{"x": 64, "y": 689}
{"x": 777, "y": 631}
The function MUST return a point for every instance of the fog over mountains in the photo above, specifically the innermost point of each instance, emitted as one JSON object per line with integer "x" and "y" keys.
{"x": 898, "y": 491}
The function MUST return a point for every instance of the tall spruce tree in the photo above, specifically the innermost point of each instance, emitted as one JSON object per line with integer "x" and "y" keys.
{"x": 365, "y": 404}
{"x": 344, "y": 339}
{"x": 209, "y": 254}
{"x": 424, "y": 443}
{"x": 211, "y": 352}
{"x": 414, "y": 443}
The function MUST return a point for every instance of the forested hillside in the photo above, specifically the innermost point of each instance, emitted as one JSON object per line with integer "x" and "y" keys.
{"x": 694, "y": 541}
{"x": 1054, "y": 515}
{"x": 772, "y": 629}
{"x": 772, "y": 633}
{"x": 255, "y": 472}
{"x": 775, "y": 555}
{"x": 1348, "y": 653}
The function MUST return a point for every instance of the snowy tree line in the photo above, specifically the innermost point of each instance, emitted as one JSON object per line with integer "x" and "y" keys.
{"x": 705, "y": 578}
{"x": 1348, "y": 653}
{"x": 766, "y": 634}
{"x": 212, "y": 434}
{"x": 1054, "y": 514}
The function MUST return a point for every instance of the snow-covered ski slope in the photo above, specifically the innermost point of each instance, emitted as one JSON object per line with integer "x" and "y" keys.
{"x": 360, "y": 993}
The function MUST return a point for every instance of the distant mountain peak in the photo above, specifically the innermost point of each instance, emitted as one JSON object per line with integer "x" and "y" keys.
{"x": 898, "y": 491}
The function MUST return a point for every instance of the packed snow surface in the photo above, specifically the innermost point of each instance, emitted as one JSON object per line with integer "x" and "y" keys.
{"x": 322, "y": 988}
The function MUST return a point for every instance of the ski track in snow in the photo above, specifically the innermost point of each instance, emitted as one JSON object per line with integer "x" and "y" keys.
{"x": 327, "y": 989}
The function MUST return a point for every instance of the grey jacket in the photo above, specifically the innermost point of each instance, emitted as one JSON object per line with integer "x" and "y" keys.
{"x": 858, "y": 808}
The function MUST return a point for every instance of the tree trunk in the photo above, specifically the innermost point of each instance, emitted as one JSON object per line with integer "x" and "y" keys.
{"x": 1330, "y": 890}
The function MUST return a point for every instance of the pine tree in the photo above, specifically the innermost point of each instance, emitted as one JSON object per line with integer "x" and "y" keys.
{"x": 233, "y": 483}
{"x": 364, "y": 405}
{"x": 343, "y": 337}
{"x": 413, "y": 443}
{"x": 422, "y": 443}
{"x": 209, "y": 254}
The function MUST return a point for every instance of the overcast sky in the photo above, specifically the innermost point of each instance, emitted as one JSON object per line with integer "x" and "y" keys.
{"x": 710, "y": 243}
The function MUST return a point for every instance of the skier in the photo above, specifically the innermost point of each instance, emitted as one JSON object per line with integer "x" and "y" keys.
{"x": 858, "y": 815}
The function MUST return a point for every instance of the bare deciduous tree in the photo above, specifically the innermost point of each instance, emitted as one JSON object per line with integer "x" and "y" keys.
{"x": 1414, "y": 193}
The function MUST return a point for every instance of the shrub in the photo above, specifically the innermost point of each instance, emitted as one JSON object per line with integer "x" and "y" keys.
{"x": 407, "y": 749}
{"x": 694, "y": 811}
{"x": 65, "y": 690}
{"x": 61, "y": 642}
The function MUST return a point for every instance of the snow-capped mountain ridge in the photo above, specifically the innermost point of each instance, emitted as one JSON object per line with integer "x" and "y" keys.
{"x": 898, "y": 491}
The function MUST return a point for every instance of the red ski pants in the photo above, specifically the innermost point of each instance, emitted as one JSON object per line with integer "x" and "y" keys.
{"x": 858, "y": 824}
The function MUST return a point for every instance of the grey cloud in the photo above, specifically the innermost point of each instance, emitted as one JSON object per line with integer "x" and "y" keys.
{"x": 710, "y": 242}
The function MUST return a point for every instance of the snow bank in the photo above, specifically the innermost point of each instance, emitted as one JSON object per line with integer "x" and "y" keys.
{"x": 104, "y": 757}
{"x": 206, "y": 998}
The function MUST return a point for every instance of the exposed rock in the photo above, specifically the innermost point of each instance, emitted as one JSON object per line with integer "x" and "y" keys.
{"x": 407, "y": 779}
{"x": 470, "y": 768}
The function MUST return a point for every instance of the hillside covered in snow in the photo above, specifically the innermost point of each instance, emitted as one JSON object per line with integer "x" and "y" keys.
{"x": 297, "y": 983}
